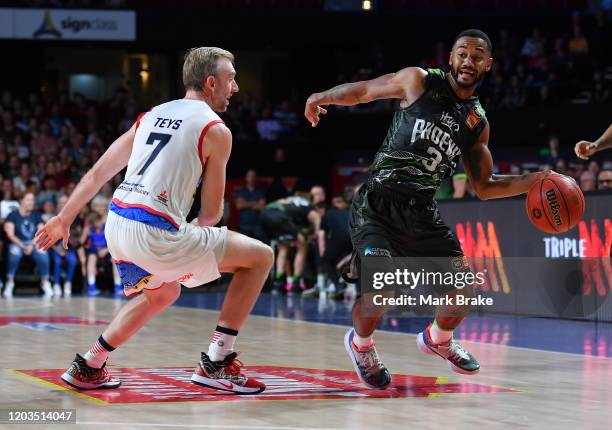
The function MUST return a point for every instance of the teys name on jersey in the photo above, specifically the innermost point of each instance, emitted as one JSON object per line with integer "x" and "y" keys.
{"x": 174, "y": 124}
{"x": 430, "y": 131}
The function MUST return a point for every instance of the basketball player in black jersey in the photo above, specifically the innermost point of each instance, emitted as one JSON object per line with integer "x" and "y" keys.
{"x": 394, "y": 214}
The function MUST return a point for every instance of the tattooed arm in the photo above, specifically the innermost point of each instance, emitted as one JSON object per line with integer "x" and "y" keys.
{"x": 407, "y": 84}
{"x": 479, "y": 168}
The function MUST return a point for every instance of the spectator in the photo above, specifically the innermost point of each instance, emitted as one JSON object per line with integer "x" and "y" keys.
{"x": 533, "y": 44}
{"x": 459, "y": 184}
{"x": 551, "y": 154}
{"x": 7, "y": 192}
{"x": 20, "y": 227}
{"x": 97, "y": 250}
{"x": 604, "y": 180}
{"x": 68, "y": 255}
{"x": 42, "y": 142}
{"x": 268, "y": 128}
{"x": 594, "y": 167}
{"x": 599, "y": 88}
{"x": 285, "y": 116}
{"x": 276, "y": 190}
{"x": 20, "y": 183}
{"x": 578, "y": 44}
{"x": 57, "y": 121}
{"x": 587, "y": 181}
{"x": 49, "y": 192}
{"x": 249, "y": 201}
{"x": 334, "y": 243}
{"x": 317, "y": 194}
{"x": 561, "y": 167}
{"x": 289, "y": 221}
{"x": 48, "y": 210}
{"x": 9, "y": 131}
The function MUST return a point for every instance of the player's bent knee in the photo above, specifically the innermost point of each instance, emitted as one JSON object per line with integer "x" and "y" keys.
{"x": 267, "y": 256}
{"x": 165, "y": 295}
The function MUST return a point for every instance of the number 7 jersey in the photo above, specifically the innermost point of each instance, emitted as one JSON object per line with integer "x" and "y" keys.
{"x": 166, "y": 164}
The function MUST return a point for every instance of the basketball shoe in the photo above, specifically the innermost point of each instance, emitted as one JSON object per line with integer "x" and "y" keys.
{"x": 458, "y": 359}
{"x": 225, "y": 375}
{"x": 370, "y": 369}
{"x": 80, "y": 375}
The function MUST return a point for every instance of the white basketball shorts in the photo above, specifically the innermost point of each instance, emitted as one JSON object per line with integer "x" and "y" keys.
{"x": 147, "y": 256}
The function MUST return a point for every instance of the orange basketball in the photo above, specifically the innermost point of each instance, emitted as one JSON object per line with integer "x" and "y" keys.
{"x": 555, "y": 204}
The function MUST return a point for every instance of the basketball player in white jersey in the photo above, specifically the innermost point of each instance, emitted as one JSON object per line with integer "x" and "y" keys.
{"x": 167, "y": 151}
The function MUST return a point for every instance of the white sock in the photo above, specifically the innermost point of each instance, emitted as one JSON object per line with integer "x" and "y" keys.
{"x": 321, "y": 281}
{"x": 439, "y": 335}
{"x": 46, "y": 287}
{"x": 363, "y": 342}
{"x": 222, "y": 343}
{"x": 10, "y": 283}
{"x": 117, "y": 279}
{"x": 91, "y": 279}
{"x": 98, "y": 353}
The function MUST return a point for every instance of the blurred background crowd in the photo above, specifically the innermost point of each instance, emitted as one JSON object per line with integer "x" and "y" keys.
{"x": 50, "y": 136}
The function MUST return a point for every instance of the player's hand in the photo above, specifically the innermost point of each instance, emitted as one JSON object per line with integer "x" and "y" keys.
{"x": 27, "y": 250}
{"x": 54, "y": 230}
{"x": 585, "y": 149}
{"x": 313, "y": 111}
{"x": 195, "y": 222}
{"x": 543, "y": 174}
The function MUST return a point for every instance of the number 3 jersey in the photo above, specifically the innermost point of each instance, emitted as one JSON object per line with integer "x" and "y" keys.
{"x": 166, "y": 164}
{"x": 426, "y": 139}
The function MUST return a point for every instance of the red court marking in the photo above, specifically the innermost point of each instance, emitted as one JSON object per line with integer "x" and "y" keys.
{"x": 51, "y": 320}
{"x": 283, "y": 383}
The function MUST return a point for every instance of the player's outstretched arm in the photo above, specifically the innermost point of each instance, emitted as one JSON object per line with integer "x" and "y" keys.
{"x": 112, "y": 162}
{"x": 217, "y": 148}
{"x": 478, "y": 164}
{"x": 585, "y": 149}
{"x": 399, "y": 85}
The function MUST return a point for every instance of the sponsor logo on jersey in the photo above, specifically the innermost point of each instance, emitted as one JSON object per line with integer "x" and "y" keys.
{"x": 163, "y": 198}
{"x": 473, "y": 118}
{"x": 378, "y": 252}
{"x": 448, "y": 120}
{"x": 133, "y": 188}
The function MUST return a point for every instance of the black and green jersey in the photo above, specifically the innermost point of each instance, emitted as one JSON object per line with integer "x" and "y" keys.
{"x": 426, "y": 139}
{"x": 297, "y": 208}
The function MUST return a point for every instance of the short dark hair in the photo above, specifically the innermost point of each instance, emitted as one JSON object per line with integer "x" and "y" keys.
{"x": 479, "y": 34}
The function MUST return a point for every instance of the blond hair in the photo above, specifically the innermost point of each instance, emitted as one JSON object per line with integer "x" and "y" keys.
{"x": 200, "y": 63}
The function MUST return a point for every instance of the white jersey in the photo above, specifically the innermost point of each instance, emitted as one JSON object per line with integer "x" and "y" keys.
{"x": 166, "y": 164}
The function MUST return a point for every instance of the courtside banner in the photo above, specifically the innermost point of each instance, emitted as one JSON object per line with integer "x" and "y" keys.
{"x": 6, "y": 24}
{"x": 69, "y": 24}
{"x": 527, "y": 268}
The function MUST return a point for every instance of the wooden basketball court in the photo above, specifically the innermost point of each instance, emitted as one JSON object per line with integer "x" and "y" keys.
{"x": 311, "y": 384}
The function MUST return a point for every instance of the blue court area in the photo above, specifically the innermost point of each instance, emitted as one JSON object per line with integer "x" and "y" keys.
{"x": 567, "y": 336}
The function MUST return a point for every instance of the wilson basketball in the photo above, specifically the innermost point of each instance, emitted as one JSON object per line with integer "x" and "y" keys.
{"x": 555, "y": 204}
